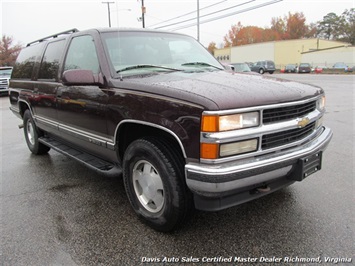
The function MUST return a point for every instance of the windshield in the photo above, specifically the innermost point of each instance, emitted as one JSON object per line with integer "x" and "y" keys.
{"x": 137, "y": 52}
{"x": 5, "y": 72}
{"x": 241, "y": 67}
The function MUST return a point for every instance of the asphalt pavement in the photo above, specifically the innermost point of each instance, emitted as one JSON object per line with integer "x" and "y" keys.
{"x": 55, "y": 211}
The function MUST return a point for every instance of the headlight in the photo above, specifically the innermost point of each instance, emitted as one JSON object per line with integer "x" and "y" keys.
{"x": 321, "y": 103}
{"x": 214, "y": 123}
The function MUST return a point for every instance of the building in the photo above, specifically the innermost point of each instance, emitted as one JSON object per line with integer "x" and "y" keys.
{"x": 314, "y": 51}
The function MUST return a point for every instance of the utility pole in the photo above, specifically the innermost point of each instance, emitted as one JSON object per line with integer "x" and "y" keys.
{"x": 108, "y": 11}
{"x": 143, "y": 12}
{"x": 198, "y": 20}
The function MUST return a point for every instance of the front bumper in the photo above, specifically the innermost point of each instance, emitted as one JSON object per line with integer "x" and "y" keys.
{"x": 218, "y": 186}
{"x": 4, "y": 90}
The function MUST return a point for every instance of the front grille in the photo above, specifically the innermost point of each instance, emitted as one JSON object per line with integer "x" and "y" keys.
{"x": 286, "y": 137}
{"x": 286, "y": 113}
{"x": 3, "y": 82}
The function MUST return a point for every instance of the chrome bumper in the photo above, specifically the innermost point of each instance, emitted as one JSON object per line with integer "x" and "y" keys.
{"x": 215, "y": 180}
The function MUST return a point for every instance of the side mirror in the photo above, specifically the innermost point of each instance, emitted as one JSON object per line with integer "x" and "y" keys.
{"x": 84, "y": 77}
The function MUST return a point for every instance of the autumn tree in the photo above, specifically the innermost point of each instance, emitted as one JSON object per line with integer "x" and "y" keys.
{"x": 231, "y": 38}
{"x": 8, "y": 51}
{"x": 239, "y": 35}
{"x": 278, "y": 26}
{"x": 295, "y": 26}
{"x": 211, "y": 47}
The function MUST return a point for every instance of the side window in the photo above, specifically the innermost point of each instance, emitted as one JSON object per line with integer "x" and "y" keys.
{"x": 50, "y": 62}
{"x": 82, "y": 54}
{"x": 26, "y": 60}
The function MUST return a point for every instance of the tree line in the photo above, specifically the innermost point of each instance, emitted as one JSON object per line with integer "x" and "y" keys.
{"x": 293, "y": 26}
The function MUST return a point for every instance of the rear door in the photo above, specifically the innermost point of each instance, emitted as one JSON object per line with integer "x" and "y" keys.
{"x": 46, "y": 86}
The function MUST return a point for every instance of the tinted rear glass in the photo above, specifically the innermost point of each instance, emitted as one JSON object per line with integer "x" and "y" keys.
{"x": 26, "y": 60}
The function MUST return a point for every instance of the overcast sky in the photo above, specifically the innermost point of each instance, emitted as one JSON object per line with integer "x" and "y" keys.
{"x": 28, "y": 20}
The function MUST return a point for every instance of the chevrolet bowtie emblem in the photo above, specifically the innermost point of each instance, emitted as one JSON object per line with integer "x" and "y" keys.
{"x": 303, "y": 122}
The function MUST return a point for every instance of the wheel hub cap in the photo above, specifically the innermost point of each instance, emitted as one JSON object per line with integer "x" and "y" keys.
{"x": 148, "y": 186}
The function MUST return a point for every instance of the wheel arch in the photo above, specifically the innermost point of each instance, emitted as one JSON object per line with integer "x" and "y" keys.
{"x": 23, "y": 106}
{"x": 128, "y": 131}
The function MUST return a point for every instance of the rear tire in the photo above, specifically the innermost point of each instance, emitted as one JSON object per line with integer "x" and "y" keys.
{"x": 154, "y": 183}
{"x": 32, "y": 133}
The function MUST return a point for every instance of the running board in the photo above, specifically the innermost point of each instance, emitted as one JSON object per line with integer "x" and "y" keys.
{"x": 99, "y": 165}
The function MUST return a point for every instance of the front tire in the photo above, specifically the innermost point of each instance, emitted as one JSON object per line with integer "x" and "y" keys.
{"x": 154, "y": 183}
{"x": 32, "y": 134}
{"x": 261, "y": 71}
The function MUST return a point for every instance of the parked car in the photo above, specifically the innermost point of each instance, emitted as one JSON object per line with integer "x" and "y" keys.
{"x": 241, "y": 67}
{"x": 304, "y": 68}
{"x": 291, "y": 68}
{"x": 340, "y": 65}
{"x": 157, "y": 109}
{"x": 319, "y": 69}
{"x": 263, "y": 66}
{"x": 5, "y": 75}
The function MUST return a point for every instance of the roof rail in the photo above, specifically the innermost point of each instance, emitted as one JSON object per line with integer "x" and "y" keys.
{"x": 54, "y": 36}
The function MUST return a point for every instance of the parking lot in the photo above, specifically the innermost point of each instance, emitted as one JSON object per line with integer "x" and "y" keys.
{"x": 55, "y": 211}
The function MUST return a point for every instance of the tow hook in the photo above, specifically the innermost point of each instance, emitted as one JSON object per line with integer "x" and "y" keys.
{"x": 20, "y": 126}
{"x": 262, "y": 189}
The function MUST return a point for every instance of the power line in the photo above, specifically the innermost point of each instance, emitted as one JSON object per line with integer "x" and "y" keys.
{"x": 228, "y": 15}
{"x": 209, "y": 14}
{"x": 189, "y": 13}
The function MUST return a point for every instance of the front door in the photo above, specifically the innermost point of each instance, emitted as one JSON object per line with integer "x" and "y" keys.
{"x": 82, "y": 109}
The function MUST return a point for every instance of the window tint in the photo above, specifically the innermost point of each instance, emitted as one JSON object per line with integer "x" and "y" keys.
{"x": 50, "y": 61}
{"x": 82, "y": 55}
{"x": 26, "y": 61}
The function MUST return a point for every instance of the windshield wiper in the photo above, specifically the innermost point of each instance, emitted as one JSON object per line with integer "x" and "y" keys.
{"x": 147, "y": 66}
{"x": 203, "y": 64}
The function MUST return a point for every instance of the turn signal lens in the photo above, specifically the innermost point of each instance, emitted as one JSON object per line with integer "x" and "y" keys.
{"x": 209, "y": 123}
{"x": 209, "y": 150}
{"x": 321, "y": 103}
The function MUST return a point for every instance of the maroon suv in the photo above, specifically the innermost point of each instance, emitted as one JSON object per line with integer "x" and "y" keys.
{"x": 159, "y": 108}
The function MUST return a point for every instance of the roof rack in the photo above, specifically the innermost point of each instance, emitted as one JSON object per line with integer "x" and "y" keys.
{"x": 54, "y": 36}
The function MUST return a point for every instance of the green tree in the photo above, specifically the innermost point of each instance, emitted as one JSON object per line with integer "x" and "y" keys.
{"x": 328, "y": 28}
{"x": 8, "y": 51}
{"x": 347, "y": 26}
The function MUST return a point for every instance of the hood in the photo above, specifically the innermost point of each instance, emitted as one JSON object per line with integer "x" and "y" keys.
{"x": 221, "y": 90}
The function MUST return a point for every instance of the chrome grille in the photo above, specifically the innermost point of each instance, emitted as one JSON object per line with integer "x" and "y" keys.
{"x": 3, "y": 82}
{"x": 289, "y": 112}
{"x": 286, "y": 137}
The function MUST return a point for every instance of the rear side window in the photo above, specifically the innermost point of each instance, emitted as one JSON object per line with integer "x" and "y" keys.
{"x": 50, "y": 62}
{"x": 26, "y": 60}
{"x": 82, "y": 54}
